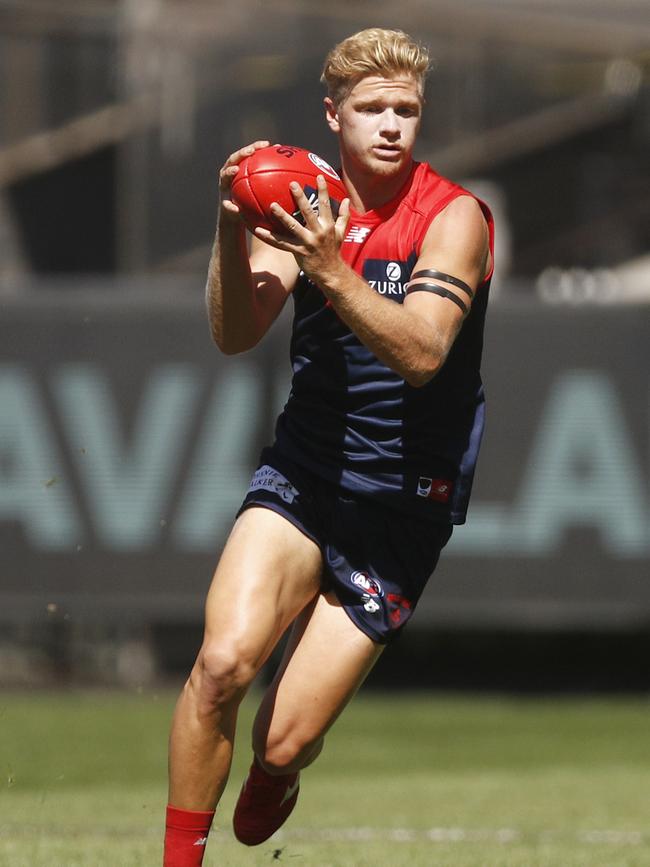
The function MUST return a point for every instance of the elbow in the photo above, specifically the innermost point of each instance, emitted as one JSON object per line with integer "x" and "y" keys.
{"x": 418, "y": 379}
{"x": 228, "y": 349}
{"x": 219, "y": 341}
{"x": 230, "y": 345}
{"x": 420, "y": 374}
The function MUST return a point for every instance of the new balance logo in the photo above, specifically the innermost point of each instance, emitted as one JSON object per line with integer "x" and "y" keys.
{"x": 357, "y": 234}
{"x": 201, "y": 841}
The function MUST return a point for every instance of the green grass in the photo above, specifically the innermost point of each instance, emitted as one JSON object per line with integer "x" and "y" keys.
{"x": 404, "y": 780}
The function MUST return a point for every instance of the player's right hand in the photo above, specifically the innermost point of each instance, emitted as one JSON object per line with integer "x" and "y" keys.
{"x": 227, "y": 175}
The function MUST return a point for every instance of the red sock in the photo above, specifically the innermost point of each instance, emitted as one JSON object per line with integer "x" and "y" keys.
{"x": 186, "y": 833}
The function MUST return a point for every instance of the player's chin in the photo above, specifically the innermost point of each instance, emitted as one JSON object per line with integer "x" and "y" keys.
{"x": 387, "y": 166}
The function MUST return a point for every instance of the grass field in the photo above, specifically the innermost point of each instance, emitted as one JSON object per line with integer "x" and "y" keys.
{"x": 404, "y": 780}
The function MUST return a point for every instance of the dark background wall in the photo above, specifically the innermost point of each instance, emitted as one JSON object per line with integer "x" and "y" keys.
{"x": 127, "y": 443}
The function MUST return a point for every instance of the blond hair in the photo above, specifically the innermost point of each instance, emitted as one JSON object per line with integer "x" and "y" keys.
{"x": 373, "y": 52}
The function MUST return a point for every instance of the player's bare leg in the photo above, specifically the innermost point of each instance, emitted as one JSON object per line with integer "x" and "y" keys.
{"x": 326, "y": 660}
{"x": 268, "y": 573}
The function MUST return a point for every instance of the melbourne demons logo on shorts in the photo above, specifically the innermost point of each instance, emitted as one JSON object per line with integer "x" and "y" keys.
{"x": 372, "y": 590}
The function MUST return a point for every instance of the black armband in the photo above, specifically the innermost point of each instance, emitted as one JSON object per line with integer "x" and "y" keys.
{"x": 437, "y": 290}
{"x": 445, "y": 278}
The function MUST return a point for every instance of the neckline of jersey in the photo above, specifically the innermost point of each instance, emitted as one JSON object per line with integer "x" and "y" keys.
{"x": 378, "y": 215}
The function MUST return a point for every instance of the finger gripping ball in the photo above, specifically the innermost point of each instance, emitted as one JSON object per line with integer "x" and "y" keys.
{"x": 264, "y": 177}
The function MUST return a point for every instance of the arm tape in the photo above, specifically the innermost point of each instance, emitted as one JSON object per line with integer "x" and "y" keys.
{"x": 437, "y": 290}
{"x": 445, "y": 278}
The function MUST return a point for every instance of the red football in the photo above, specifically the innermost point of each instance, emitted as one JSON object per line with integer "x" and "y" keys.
{"x": 264, "y": 177}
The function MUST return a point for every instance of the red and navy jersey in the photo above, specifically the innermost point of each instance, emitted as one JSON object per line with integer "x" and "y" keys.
{"x": 351, "y": 419}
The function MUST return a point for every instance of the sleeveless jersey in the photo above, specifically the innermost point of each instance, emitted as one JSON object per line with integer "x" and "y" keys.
{"x": 352, "y": 420}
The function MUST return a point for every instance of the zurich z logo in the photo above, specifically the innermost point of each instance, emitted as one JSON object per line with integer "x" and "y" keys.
{"x": 387, "y": 277}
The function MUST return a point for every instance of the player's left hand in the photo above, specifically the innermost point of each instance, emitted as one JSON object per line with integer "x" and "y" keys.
{"x": 315, "y": 244}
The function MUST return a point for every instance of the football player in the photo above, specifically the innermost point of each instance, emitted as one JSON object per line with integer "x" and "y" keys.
{"x": 374, "y": 453}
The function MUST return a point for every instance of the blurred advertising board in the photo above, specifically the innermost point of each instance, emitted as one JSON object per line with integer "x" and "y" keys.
{"x": 127, "y": 442}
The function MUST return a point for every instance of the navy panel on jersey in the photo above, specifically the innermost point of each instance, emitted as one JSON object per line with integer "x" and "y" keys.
{"x": 352, "y": 420}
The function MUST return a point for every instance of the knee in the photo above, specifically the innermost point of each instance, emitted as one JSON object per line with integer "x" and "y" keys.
{"x": 285, "y": 754}
{"x": 222, "y": 674}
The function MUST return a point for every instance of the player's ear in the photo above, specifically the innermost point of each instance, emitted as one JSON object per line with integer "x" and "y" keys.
{"x": 331, "y": 114}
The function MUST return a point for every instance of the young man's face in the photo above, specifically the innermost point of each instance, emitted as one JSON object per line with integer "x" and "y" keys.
{"x": 377, "y": 124}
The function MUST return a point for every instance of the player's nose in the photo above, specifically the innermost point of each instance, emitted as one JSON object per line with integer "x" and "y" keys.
{"x": 390, "y": 124}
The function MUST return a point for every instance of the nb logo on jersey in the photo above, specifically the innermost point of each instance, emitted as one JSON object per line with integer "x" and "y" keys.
{"x": 357, "y": 234}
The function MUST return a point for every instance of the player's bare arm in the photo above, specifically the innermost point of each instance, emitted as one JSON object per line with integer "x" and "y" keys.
{"x": 412, "y": 339}
{"x": 245, "y": 290}
{"x": 453, "y": 262}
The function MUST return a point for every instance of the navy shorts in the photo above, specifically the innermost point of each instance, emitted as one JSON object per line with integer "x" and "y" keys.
{"x": 376, "y": 559}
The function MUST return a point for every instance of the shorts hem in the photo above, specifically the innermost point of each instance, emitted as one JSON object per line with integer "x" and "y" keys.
{"x": 362, "y": 625}
{"x": 274, "y": 507}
